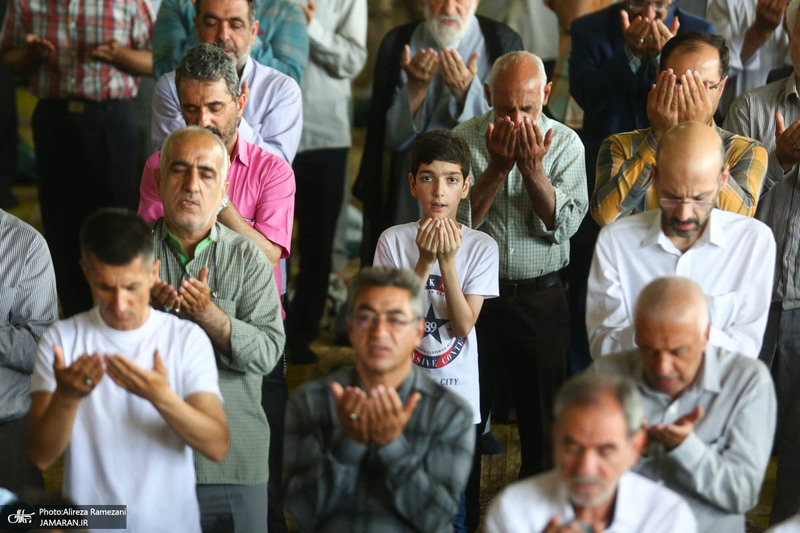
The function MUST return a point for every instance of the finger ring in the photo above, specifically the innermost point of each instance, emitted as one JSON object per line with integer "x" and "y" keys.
{"x": 641, "y": 41}
{"x": 353, "y": 417}
{"x": 88, "y": 382}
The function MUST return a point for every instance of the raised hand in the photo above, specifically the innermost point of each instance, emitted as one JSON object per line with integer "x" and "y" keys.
{"x": 195, "y": 296}
{"x": 79, "y": 379}
{"x": 163, "y": 297}
{"x": 352, "y": 412}
{"x": 455, "y": 75}
{"x": 387, "y": 414}
{"x": 309, "y": 10}
{"x": 532, "y": 146}
{"x": 660, "y": 34}
{"x": 694, "y": 101}
{"x": 426, "y": 240}
{"x": 787, "y": 143}
{"x": 147, "y": 384}
{"x": 636, "y": 33}
{"x": 662, "y": 106}
{"x": 450, "y": 238}
{"x": 501, "y": 141}
{"x": 674, "y": 434}
{"x": 769, "y": 14}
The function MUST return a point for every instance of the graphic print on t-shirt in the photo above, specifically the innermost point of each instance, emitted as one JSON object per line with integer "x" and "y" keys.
{"x": 438, "y": 348}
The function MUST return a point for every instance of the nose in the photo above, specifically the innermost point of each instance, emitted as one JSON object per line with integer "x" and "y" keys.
{"x": 587, "y": 463}
{"x": 204, "y": 117}
{"x": 118, "y": 302}
{"x": 650, "y": 12}
{"x": 518, "y": 116}
{"x": 664, "y": 365}
{"x": 685, "y": 211}
{"x": 223, "y": 32}
{"x": 438, "y": 188}
{"x": 191, "y": 180}
{"x": 450, "y": 7}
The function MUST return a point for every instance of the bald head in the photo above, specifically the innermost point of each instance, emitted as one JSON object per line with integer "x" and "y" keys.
{"x": 517, "y": 87}
{"x": 689, "y": 145}
{"x": 671, "y": 323}
{"x": 178, "y": 137}
{"x": 672, "y": 299}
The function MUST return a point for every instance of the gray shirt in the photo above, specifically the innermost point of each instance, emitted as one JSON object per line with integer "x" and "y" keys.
{"x": 753, "y": 115}
{"x": 28, "y": 306}
{"x": 720, "y": 466}
{"x": 243, "y": 287}
{"x": 413, "y": 483}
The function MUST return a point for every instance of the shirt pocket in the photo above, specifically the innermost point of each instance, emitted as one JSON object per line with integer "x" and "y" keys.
{"x": 722, "y": 309}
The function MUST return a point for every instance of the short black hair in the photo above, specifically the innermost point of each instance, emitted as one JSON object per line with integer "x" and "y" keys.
{"x": 691, "y": 41}
{"x": 251, "y": 9}
{"x": 116, "y": 237}
{"x": 440, "y": 145}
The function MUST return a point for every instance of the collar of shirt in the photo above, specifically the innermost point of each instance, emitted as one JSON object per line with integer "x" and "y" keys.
{"x": 248, "y": 73}
{"x": 789, "y": 89}
{"x": 241, "y": 151}
{"x": 655, "y": 234}
{"x": 166, "y": 235}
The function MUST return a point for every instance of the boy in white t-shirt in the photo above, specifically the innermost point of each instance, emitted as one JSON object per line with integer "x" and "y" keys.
{"x": 458, "y": 265}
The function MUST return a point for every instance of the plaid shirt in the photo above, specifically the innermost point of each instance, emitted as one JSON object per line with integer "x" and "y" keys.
{"x": 74, "y": 27}
{"x": 242, "y": 286}
{"x": 527, "y": 248}
{"x": 625, "y": 161}
{"x": 411, "y": 484}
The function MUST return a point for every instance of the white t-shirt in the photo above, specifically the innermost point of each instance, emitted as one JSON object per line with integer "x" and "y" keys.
{"x": 450, "y": 361}
{"x": 641, "y": 506}
{"x": 122, "y": 452}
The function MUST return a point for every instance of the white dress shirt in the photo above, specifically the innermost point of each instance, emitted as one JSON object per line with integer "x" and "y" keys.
{"x": 732, "y": 262}
{"x": 272, "y": 118}
{"x": 641, "y": 506}
{"x": 720, "y": 466}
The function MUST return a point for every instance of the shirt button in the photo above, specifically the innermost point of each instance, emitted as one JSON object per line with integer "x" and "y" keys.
{"x": 511, "y": 251}
{"x": 671, "y": 409}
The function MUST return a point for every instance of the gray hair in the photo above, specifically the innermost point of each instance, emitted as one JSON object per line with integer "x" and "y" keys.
{"x": 587, "y": 389}
{"x": 387, "y": 277}
{"x": 658, "y": 298}
{"x": 251, "y": 10}
{"x": 175, "y": 136}
{"x": 206, "y": 62}
{"x": 511, "y": 59}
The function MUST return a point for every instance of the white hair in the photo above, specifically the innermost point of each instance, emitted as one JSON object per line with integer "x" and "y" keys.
{"x": 445, "y": 36}
{"x": 512, "y": 59}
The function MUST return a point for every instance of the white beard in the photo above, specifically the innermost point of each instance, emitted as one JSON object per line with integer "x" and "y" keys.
{"x": 444, "y": 35}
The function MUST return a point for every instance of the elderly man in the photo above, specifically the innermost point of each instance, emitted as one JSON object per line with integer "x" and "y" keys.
{"x": 82, "y": 60}
{"x": 222, "y": 281}
{"x": 379, "y": 446}
{"x": 28, "y": 306}
{"x": 430, "y": 76}
{"x": 529, "y": 194}
{"x": 282, "y": 41}
{"x": 730, "y": 256}
{"x": 597, "y": 437}
{"x": 125, "y": 390}
{"x": 710, "y": 411}
{"x": 259, "y": 204}
{"x": 693, "y": 71}
{"x": 771, "y": 114}
{"x": 274, "y": 118}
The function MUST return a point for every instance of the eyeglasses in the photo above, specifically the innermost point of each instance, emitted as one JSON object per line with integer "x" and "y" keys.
{"x": 710, "y": 87}
{"x": 671, "y": 203}
{"x": 640, "y": 5}
{"x": 371, "y": 320}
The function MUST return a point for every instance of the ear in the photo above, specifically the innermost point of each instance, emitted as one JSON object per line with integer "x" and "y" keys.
{"x": 412, "y": 184}
{"x": 722, "y": 84}
{"x": 465, "y": 189}
{"x": 726, "y": 172}
{"x": 84, "y": 268}
{"x": 155, "y": 270}
{"x": 420, "y": 330}
{"x": 241, "y": 100}
{"x": 638, "y": 440}
{"x": 254, "y": 32}
{"x": 488, "y": 94}
{"x": 547, "y": 89}
{"x": 225, "y": 187}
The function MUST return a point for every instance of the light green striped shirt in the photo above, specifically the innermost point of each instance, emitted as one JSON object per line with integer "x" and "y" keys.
{"x": 527, "y": 248}
{"x": 242, "y": 286}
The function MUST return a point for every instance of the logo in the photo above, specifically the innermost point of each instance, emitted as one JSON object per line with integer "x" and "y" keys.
{"x": 21, "y": 517}
{"x": 432, "y": 325}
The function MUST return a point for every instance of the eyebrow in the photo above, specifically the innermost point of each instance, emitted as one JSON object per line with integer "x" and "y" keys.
{"x": 181, "y": 162}
{"x": 231, "y": 19}
{"x": 367, "y": 307}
